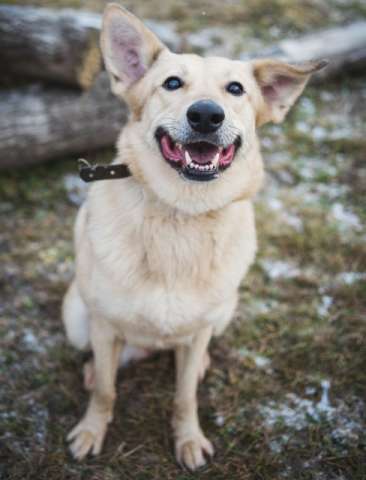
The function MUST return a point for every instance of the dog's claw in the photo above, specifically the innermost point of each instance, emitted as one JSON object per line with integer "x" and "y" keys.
{"x": 190, "y": 453}
{"x": 87, "y": 437}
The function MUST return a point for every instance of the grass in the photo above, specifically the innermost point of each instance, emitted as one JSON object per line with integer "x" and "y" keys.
{"x": 302, "y": 311}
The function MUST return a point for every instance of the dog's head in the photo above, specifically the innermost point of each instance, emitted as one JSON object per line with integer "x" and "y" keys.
{"x": 191, "y": 137}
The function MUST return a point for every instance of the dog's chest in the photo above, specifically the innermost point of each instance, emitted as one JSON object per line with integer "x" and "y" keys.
{"x": 159, "y": 273}
{"x": 180, "y": 251}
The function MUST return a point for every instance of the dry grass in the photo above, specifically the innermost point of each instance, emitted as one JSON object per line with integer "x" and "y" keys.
{"x": 307, "y": 322}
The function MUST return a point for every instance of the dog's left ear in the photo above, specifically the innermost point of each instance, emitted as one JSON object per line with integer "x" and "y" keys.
{"x": 129, "y": 48}
{"x": 280, "y": 84}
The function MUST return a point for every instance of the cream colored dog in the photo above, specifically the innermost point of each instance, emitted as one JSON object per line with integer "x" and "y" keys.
{"x": 160, "y": 255}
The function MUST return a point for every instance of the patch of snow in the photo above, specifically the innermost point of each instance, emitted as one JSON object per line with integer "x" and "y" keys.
{"x": 347, "y": 433}
{"x": 32, "y": 342}
{"x": 219, "y": 420}
{"x": 307, "y": 171}
{"x": 349, "y": 278}
{"x": 332, "y": 190}
{"x": 279, "y": 269}
{"x": 346, "y": 220}
{"x": 311, "y": 167}
{"x": 276, "y": 445}
{"x": 259, "y": 360}
{"x": 340, "y": 131}
{"x": 76, "y": 189}
{"x": 326, "y": 303}
{"x": 266, "y": 142}
{"x": 303, "y": 127}
{"x": 344, "y": 421}
{"x": 307, "y": 105}
{"x": 328, "y": 96}
{"x": 8, "y": 415}
{"x": 304, "y": 193}
{"x": 261, "y": 307}
{"x": 275, "y": 204}
{"x": 293, "y": 221}
{"x": 310, "y": 391}
{"x": 39, "y": 417}
{"x": 324, "y": 404}
{"x": 296, "y": 412}
{"x": 319, "y": 133}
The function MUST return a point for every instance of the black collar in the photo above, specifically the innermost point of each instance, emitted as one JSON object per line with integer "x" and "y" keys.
{"x": 91, "y": 173}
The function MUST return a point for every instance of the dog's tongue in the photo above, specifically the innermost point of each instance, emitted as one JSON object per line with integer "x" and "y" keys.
{"x": 201, "y": 152}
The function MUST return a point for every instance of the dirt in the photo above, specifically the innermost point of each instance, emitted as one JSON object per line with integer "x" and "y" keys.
{"x": 285, "y": 397}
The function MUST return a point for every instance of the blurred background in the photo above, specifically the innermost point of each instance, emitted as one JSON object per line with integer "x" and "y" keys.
{"x": 286, "y": 394}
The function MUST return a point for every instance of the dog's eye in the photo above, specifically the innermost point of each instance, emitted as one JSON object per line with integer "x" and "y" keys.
{"x": 173, "y": 83}
{"x": 235, "y": 88}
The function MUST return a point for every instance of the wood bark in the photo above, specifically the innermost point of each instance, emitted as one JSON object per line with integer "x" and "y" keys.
{"x": 58, "y": 46}
{"x": 44, "y": 44}
{"x": 344, "y": 47}
{"x": 62, "y": 46}
{"x": 38, "y": 124}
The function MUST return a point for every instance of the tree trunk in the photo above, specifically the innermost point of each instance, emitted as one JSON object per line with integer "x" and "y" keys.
{"x": 38, "y": 124}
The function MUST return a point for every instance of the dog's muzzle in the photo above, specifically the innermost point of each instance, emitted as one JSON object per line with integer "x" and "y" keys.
{"x": 198, "y": 159}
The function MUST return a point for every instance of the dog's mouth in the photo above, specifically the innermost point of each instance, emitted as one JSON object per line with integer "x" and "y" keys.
{"x": 200, "y": 160}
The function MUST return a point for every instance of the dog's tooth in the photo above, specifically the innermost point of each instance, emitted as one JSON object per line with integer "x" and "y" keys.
{"x": 188, "y": 158}
{"x": 216, "y": 158}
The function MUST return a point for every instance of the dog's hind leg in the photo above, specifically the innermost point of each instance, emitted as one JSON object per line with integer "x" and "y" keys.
{"x": 130, "y": 354}
{"x": 75, "y": 318}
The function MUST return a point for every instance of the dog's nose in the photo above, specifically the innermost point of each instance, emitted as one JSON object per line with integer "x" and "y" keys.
{"x": 205, "y": 116}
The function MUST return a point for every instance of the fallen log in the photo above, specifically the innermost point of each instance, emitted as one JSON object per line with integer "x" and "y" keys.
{"x": 57, "y": 46}
{"x": 62, "y": 46}
{"x": 38, "y": 124}
{"x": 344, "y": 47}
{"x": 44, "y": 44}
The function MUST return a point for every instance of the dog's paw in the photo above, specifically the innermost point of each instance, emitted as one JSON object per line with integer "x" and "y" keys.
{"x": 87, "y": 436}
{"x": 190, "y": 452}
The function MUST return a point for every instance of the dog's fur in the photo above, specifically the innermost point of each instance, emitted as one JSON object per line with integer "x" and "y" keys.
{"x": 159, "y": 258}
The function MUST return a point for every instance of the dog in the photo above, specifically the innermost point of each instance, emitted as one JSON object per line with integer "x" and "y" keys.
{"x": 160, "y": 255}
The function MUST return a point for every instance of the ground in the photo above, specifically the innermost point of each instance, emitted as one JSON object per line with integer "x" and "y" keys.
{"x": 285, "y": 397}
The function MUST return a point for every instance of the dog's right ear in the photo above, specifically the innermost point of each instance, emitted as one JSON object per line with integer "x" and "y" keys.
{"x": 129, "y": 48}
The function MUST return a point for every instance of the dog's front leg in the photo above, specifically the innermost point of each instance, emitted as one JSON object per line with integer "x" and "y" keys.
{"x": 89, "y": 433}
{"x": 190, "y": 442}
